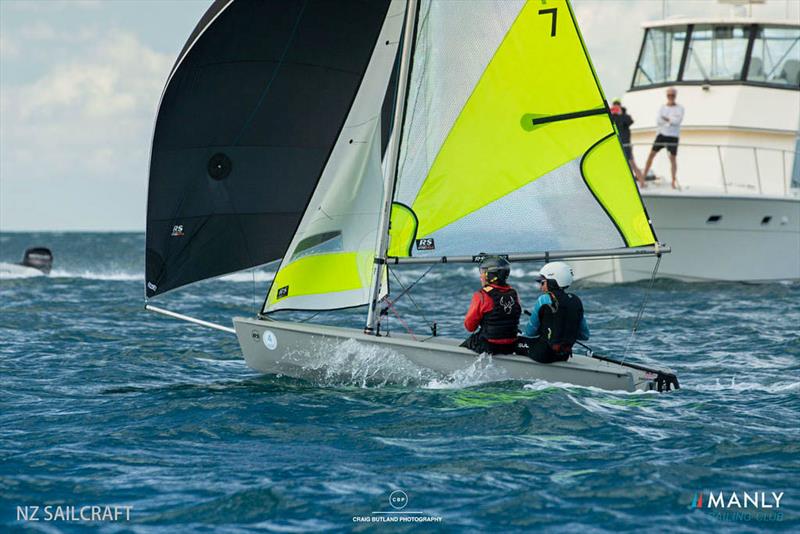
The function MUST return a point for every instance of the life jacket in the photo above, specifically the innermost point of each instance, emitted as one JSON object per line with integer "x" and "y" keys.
{"x": 502, "y": 322}
{"x": 560, "y": 322}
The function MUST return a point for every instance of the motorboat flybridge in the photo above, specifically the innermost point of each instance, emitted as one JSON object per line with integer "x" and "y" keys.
{"x": 348, "y": 137}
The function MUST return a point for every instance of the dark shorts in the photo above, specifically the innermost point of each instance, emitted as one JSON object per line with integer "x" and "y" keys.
{"x": 666, "y": 141}
{"x": 481, "y": 345}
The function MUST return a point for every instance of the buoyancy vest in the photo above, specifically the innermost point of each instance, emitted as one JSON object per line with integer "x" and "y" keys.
{"x": 502, "y": 322}
{"x": 560, "y": 322}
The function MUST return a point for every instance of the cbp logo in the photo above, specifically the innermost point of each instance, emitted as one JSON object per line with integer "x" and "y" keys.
{"x": 398, "y": 499}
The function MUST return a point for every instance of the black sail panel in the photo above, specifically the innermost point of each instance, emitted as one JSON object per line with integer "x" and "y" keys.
{"x": 246, "y": 124}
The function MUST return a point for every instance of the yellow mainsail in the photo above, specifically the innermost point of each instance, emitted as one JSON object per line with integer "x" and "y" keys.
{"x": 535, "y": 112}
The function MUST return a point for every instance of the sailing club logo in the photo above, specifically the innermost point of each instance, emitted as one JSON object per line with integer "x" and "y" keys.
{"x": 177, "y": 230}
{"x": 283, "y": 292}
{"x": 425, "y": 244}
{"x": 507, "y": 303}
{"x": 739, "y": 506}
{"x": 270, "y": 340}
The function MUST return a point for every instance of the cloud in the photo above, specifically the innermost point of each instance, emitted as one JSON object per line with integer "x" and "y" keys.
{"x": 8, "y": 48}
{"x": 86, "y": 121}
{"x": 51, "y": 5}
{"x": 38, "y": 31}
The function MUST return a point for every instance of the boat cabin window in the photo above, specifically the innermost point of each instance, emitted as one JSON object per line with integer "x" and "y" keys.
{"x": 660, "y": 57}
{"x": 719, "y": 54}
{"x": 776, "y": 56}
{"x": 716, "y": 53}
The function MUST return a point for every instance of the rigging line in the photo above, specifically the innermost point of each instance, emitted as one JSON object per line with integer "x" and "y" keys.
{"x": 402, "y": 322}
{"x": 309, "y": 318}
{"x": 407, "y": 289}
{"x": 641, "y": 309}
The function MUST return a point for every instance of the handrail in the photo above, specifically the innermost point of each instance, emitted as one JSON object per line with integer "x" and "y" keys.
{"x": 681, "y": 143}
{"x": 757, "y": 163}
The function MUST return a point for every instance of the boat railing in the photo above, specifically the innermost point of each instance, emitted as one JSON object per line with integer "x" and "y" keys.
{"x": 729, "y": 168}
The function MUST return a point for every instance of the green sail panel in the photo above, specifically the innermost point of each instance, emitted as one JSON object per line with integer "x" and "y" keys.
{"x": 530, "y": 161}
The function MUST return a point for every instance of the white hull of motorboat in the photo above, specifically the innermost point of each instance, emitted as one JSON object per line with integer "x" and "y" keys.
{"x": 713, "y": 237}
{"x": 15, "y": 270}
{"x": 294, "y": 349}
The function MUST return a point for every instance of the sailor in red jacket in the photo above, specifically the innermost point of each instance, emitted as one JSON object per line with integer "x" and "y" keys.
{"x": 494, "y": 311}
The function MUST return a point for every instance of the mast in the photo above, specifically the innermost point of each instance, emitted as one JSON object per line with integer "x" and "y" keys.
{"x": 393, "y": 154}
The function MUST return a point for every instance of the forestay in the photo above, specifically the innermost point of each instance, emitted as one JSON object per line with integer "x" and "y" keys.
{"x": 508, "y": 146}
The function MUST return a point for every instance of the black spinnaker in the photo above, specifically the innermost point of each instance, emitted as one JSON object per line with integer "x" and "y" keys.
{"x": 246, "y": 124}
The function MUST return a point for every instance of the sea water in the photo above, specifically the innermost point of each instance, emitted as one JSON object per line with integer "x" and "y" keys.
{"x": 117, "y": 419}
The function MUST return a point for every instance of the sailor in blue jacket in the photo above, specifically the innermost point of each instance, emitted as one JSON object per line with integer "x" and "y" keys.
{"x": 557, "y": 320}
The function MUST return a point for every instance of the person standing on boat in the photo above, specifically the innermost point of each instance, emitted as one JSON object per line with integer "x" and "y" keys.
{"x": 557, "y": 319}
{"x": 494, "y": 311}
{"x": 669, "y": 121}
{"x": 623, "y": 123}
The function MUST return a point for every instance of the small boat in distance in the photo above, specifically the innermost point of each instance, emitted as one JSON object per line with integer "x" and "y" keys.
{"x": 346, "y": 138}
{"x": 37, "y": 261}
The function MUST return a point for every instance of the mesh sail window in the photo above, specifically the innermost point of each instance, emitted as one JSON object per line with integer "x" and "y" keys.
{"x": 329, "y": 263}
{"x": 507, "y": 143}
{"x": 247, "y": 123}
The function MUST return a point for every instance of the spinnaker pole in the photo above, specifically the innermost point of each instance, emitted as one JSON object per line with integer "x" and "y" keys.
{"x": 392, "y": 157}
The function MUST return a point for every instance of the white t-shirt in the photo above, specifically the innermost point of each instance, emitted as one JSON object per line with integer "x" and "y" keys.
{"x": 671, "y": 126}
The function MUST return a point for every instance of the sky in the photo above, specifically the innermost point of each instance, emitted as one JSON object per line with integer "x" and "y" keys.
{"x": 80, "y": 82}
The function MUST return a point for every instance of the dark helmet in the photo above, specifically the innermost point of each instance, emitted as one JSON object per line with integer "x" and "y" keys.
{"x": 496, "y": 268}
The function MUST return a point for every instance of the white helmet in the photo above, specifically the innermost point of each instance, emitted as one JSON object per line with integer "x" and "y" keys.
{"x": 559, "y": 271}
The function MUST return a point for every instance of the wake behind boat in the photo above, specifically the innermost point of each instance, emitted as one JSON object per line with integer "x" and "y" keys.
{"x": 380, "y": 134}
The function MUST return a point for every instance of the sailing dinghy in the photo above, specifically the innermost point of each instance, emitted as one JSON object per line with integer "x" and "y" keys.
{"x": 347, "y": 137}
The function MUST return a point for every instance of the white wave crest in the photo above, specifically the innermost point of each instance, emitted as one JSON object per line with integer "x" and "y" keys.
{"x": 351, "y": 363}
{"x": 481, "y": 371}
{"x": 247, "y": 276}
{"x": 122, "y": 276}
{"x": 114, "y": 276}
{"x": 733, "y": 385}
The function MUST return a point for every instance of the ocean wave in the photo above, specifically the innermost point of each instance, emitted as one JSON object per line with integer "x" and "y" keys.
{"x": 248, "y": 276}
{"x": 127, "y": 276}
{"x": 111, "y": 276}
{"x": 481, "y": 371}
{"x": 352, "y": 363}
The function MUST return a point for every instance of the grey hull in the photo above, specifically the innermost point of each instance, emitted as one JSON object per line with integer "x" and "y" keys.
{"x": 277, "y": 347}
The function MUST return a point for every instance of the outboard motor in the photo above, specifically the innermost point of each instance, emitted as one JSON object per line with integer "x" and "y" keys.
{"x": 39, "y": 258}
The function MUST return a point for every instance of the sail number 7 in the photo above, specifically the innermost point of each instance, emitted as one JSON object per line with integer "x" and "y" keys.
{"x": 554, "y": 12}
